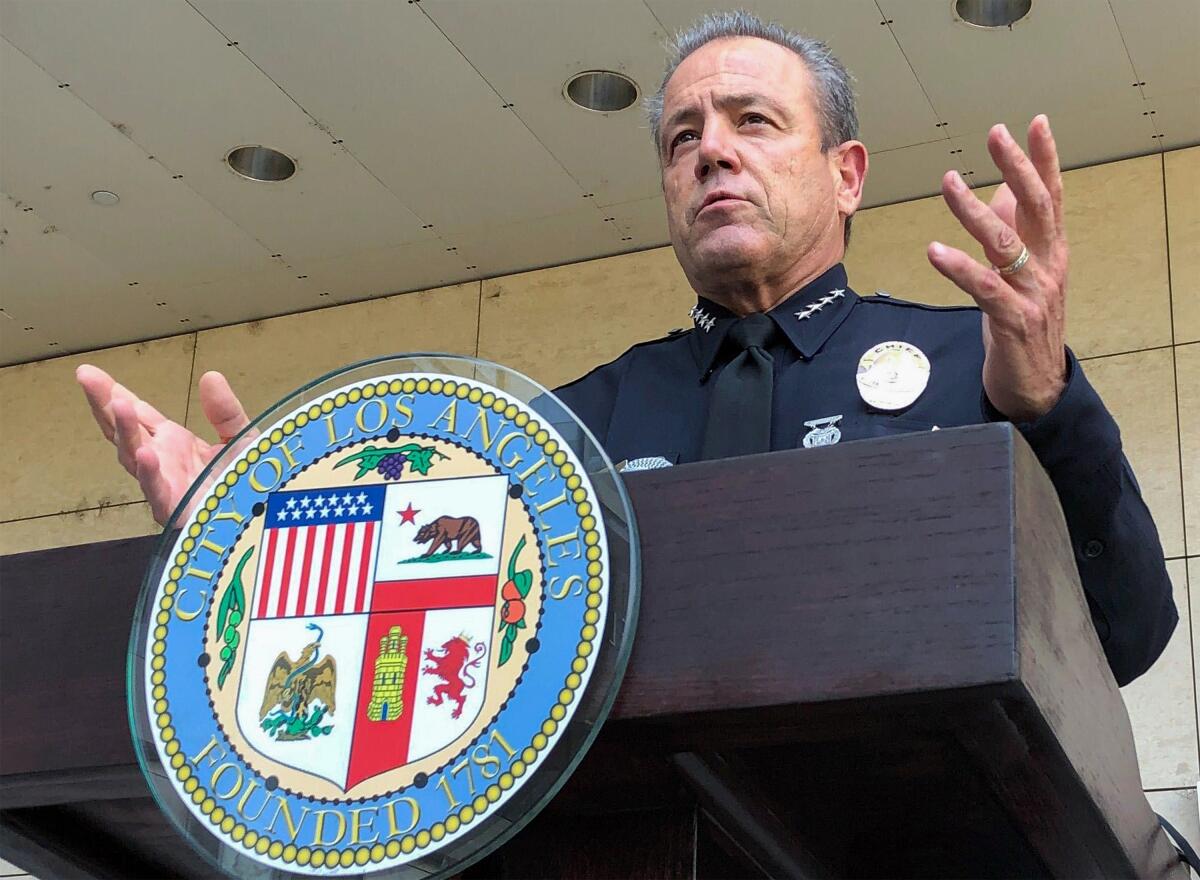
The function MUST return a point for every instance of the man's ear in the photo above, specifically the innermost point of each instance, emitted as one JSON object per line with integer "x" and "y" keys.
{"x": 849, "y": 165}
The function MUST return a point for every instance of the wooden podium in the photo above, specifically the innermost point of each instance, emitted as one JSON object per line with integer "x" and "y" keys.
{"x": 866, "y": 660}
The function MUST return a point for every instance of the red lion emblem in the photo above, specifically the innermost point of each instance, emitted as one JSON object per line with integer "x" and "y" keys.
{"x": 451, "y": 663}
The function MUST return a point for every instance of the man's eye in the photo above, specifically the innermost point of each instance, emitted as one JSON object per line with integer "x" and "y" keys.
{"x": 681, "y": 137}
{"x": 755, "y": 118}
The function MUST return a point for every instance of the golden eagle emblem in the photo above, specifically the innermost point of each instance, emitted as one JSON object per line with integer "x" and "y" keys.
{"x": 300, "y": 694}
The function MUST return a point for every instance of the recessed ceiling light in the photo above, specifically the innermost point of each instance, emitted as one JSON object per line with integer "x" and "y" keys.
{"x": 601, "y": 90}
{"x": 260, "y": 163}
{"x": 992, "y": 13}
{"x": 104, "y": 197}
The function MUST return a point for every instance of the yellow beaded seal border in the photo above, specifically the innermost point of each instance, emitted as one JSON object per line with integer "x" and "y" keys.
{"x": 362, "y": 855}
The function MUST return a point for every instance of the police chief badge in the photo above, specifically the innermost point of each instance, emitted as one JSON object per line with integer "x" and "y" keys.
{"x": 384, "y": 625}
{"x": 892, "y": 375}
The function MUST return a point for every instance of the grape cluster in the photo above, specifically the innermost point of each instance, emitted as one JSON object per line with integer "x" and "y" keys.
{"x": 391, "y": 466}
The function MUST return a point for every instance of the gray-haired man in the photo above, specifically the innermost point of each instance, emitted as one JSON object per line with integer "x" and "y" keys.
{"x": 761, "y": 170}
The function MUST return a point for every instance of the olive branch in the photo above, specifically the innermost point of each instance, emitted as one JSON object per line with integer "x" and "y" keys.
{"x": 229, "y": 614}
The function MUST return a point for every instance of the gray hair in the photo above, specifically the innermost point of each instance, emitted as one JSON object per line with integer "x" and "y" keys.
{"x": 833, "y": 83}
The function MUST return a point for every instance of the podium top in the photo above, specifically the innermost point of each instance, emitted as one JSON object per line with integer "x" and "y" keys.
{"x": 855, "y": 571}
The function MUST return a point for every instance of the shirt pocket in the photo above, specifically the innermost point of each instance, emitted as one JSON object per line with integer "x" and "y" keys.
{"x": 887, "y": 426}
{"x": 866, "y": 425}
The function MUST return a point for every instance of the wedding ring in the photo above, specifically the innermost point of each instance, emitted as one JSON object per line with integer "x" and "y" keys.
{"x": 1015, "y": 265}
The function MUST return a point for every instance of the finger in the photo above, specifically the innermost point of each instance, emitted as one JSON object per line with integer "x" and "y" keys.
{"x": 982, "y": 284}
{"x": 1026, "y": 184}
{"x": 128, "y": 434}
{"x": 97, "y": 388}
{"x": 221, "y": 406}
{"x": 102, "y": 391}
{"x": 1004, "y": 205}
{"x": 1000, "y": 242}
{"x": 154, "y": 485}
{"x": 149, "y": 417}
{"x": 1043, "y": 152}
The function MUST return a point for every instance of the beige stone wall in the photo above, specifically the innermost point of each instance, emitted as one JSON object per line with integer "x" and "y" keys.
{"x": 1134, "y": 316}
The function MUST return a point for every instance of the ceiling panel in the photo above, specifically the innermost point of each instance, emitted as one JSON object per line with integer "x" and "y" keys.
{"x": 1060, "y": 57}
{"x": 412, "y": 172}
{"x": 385, "y": 271}
{"x": 167, "y": 80}
{"x": 382, "y": 78}
{"x": 54, "y": 151}
{"x": 545, "y": 43}
{"x": 40, "y": 262}
{"x": 892, "y": 110}
{"x": 1163, "y": 41}
{"x": 910, "y": 172}
{"x": 1177, "y": 118}
{"x": 1083, "y": 138}
{"x": 57, "y": 297}
{"x": 517, "y": 247}
{"x": 276, "y": 290}
{"x": 644, "y": 222}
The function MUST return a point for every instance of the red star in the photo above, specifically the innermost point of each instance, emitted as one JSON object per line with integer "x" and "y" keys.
{"x": 409, "y": 515}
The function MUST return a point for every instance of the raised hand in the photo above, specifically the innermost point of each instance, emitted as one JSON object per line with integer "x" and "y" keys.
{"x": 1023, "y": 292}
{"x": 164, "y": 457}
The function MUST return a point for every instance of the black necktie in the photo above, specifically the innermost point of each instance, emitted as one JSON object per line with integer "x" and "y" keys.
{"x": 739, "y": 410}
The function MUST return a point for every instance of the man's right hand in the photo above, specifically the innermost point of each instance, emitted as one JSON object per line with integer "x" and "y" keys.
{"x": 165, "y": 457}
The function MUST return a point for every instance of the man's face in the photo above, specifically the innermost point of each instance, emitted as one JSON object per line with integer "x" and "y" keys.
{"x": 747, "y": 187}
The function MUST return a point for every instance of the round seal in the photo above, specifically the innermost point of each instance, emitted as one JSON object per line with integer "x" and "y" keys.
{"x": 892, "y": 375}
{"x": 378, "y": 613}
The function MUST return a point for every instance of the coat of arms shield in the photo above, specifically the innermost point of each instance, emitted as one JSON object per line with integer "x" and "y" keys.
{"x": 372, "y": 623}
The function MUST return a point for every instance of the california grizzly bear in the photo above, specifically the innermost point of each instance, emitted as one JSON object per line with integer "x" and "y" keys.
{"x": 445, "y": 530}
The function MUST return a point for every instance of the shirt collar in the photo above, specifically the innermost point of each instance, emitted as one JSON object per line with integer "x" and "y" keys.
{"x": 807, "y": 318}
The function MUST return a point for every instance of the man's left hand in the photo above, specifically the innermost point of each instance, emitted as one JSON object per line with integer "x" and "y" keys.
{"x": 1024, "y": 323}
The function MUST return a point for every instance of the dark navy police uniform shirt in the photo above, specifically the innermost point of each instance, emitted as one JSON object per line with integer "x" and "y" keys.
{"x": 671, "y": 380}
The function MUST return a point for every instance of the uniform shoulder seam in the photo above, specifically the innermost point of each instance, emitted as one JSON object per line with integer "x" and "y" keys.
{"x": 670, "y": 337}
{"x": 904, "y": 303}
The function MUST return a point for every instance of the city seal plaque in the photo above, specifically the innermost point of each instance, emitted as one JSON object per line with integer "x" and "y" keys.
{"x": 384, "y": 625}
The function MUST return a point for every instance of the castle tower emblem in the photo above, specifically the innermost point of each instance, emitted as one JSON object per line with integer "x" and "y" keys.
{"x": 387, "y": 690}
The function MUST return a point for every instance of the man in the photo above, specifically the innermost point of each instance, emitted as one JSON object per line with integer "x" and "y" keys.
{"x": 761, "y": 171}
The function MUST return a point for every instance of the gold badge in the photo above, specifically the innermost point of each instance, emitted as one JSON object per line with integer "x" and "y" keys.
{"x": 892, "y": 375}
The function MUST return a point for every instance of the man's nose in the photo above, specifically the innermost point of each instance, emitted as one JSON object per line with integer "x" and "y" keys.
{"x": 717, "y": 150}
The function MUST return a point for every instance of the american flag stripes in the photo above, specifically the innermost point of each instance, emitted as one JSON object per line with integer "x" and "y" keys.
{"x": 318, "y": 552}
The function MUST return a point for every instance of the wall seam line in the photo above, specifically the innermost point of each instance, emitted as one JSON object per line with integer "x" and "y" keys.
{"x": 1097, "y": 357}
{"x": 1187, "y": 598}
{"x": 1187, "y": 585}
{"x": 187, "y": 401}
{"x": 1175, "y": 368}
{"x": 100, "y": 507}
{"x": 478, "y": 317}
